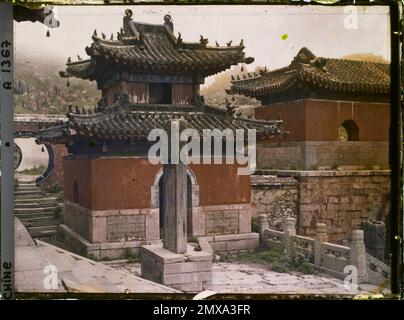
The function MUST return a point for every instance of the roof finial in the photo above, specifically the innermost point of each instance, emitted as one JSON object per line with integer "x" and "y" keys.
{"x": 203, "y": 41}
{"x": 217, "y": 44}
{"x": 241, "y": 43}
{"x": 79, "y": 58}
{"x": 69, "y": 60}
{"x": 103, "y": 35}
{"x": 95, "y": 33}
{"x": 128, "y": 13}
{"x": 229, "y": 43}
{"x": 112, "y": 36}
{"x": 168, "y": 21}
{"x": 179, "y": 39}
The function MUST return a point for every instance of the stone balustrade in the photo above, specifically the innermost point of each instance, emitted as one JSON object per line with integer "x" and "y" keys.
{"x": 328, "y": 256}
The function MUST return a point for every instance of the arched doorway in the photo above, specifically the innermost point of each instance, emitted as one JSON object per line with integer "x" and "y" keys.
{"x": 348, "y": 131}
{"x": 192, "y": 199}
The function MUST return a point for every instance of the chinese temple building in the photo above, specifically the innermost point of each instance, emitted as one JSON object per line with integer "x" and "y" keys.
{"x": 337, "y": 112}
{"x": 149, "y": 77}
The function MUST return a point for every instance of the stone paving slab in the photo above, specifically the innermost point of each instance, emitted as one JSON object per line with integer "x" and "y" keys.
{"x": 74, "y": 273}
{"x": 239, "y": 278}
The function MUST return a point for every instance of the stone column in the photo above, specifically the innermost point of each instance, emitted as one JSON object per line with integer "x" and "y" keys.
{"x": 321, "y": 236}
{"x": 263, "y": 225}
{"x": 358, "y": 255}
{"x": 175, "y": 191}
{"x": 290, "y": 230}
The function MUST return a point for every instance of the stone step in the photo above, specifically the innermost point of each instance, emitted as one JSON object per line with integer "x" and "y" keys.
{"x": 42, "y": 231}
{"x": 28, "y": 189}
{"x": 35, "y": 204}
{"x": 24, "y": 200}
{"x": 34, "y": 214}
{"x": 24, "y": 183}
{"x": 22, "y": 194}
{"x": 35, "y": 210}
{"x": 41, "y": 221}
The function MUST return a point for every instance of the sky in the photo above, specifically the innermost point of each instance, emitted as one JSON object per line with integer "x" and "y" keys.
{"x": 272, "y": 35}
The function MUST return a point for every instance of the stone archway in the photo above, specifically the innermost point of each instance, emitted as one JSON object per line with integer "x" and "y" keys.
{"x": 193, "y": 202}
{"x": 348, "y": 131}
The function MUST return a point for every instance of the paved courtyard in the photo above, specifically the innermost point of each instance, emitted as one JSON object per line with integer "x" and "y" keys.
{"x": 230, "y": 277}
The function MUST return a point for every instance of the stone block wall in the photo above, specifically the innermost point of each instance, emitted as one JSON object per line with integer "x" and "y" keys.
{"x": 227, "y": 219}
{"x": 78, "y": 219}
{"x": 274, "y": 196}
{"x": 104, "y": 226}
{"x": 126, "y": 228}
{"x": 310, "y": 155}
{"x": 343, "y": 200}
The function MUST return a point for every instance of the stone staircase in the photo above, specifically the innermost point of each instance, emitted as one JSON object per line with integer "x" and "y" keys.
{"x": 36, "y": 210}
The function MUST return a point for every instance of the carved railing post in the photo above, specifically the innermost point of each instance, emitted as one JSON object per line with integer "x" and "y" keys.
{"x": 358, "y": 255}
{"x": 263, "y": 225}
{"x": 290, "y": 230}
{"x": 321, "y": 236}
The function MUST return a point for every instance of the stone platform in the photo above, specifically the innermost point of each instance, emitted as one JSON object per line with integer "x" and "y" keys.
{"x": 99, "y": 251}
{"x": 189, "y": 272}
{"x": 233, "y": 242}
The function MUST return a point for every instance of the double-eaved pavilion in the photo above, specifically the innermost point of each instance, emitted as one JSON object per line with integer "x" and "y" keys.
{"x": 148, "y": 78}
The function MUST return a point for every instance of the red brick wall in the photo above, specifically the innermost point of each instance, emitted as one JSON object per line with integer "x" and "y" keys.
{"x": 125, "y": 183}
{"x": 220, "y": 184}
{"x": 119, "y": 183}
{"x": 319, "y": 120}
{"x": 78, "y": 170}
{"x": 293, "y": 115}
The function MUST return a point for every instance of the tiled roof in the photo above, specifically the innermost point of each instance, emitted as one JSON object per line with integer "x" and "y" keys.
{"x": 337, "y": 75}
{"x": 137, "y": 120}
{"x": 146, "y": 47}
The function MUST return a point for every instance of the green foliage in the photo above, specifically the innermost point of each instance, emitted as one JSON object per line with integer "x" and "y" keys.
{"x": 92, "y": 257}
{"x": 192, "y": 239}
{"x": 132, "y": 257}
{"x": 255, "y": 224}
{"x": 54, "y": 188}
{"x": 276, "y": 260}
{"x": 60, "y": 198}
{"x": 36, "y": 171}
{"x": 57, "y": 211}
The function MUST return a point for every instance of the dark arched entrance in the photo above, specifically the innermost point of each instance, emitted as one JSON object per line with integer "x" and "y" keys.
{"x": 348, "y": 131}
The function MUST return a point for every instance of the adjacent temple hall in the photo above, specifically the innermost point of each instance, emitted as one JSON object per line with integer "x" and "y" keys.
{"x": 336, "y": 110}
{"x": 148, "y": 77}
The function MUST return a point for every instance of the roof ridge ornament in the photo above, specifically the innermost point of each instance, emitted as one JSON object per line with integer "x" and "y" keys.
{"x": 168, "y": 22}
{"x": 203, "y": 41}
{"x": 179, "y": 39}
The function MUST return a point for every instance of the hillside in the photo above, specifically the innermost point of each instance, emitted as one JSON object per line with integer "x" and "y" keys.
{"x": 40, "y": 89}
{"x": 365, "y": 57}
{"x": 216, "y": 95}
